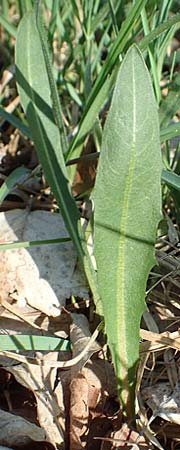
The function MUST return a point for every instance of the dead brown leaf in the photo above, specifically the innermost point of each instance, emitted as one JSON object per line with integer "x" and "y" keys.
{"x": 92, "y": 380}
{"x": 50, "y": 408}
{"x": 126, "y": 438}
{"x": 163, "y": 401}
{"x": 14, "y": 430}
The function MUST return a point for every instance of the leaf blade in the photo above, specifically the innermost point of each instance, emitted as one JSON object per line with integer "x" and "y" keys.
{"x": 53, "y": 88}
{"x": 126, "y": 214}
{"x": 33, "y": 86}
{"x": 35, "y": 95}
{"x": 171, "y": 179}
{"x": 33, "y": 342}
{"x": 16, "y": 176}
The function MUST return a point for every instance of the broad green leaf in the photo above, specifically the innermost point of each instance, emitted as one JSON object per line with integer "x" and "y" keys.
{"x": 34, "y": 90}
{"x": 53, "y": 88}
{"x": 35, "y": 94}
{"x": 127, "y": 201}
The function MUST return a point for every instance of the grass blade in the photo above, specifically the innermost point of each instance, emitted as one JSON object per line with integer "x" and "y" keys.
{"x": 88, "y": 120}
{"x": 15, "y": 122}
{"x": 8, "y": 26}
{"x": 151, "y": 57}
{"x": 96, "y": 100}
{"x": 170, "y": 132}
{"x": 170, "y": 105}
{"x": 117, "y": 47}
{"x": 29, "y": 342}
{"x": 171, "y": 179}
{"x": 158, "y": 31}
{"x": 15, "y": 177}
{"x": 111, "y": 60}
{"x": 27, "y": 244}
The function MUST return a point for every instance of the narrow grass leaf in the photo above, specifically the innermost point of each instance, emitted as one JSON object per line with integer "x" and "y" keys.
{"x": 117, "y": 47}
{"x": 170, "y": 105}
{"x": 15, "y": 122}
{"x": 170, "y": 132}
{"x": 96, "y": 100}
{"x": 30, "y": 342}
{"x": 159, "y": 30}
{"x": 171, "y": 179}
{"x": 15, "y": 177}
{"x": 24, "y": 6}
{"x": 4, "y": 8}
{"x": 162, "y": 51}
{"x": 151, "y": 57}
{"x": 88, "y": 121}
{"x": 127, "y": 201}
{"x": 100, "y": 89}
{"x": 27, "y": 244}
{"x": 8, "y": 26}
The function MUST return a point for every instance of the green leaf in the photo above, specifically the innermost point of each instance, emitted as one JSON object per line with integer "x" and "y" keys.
{"x": 7, "y": 26}
{"x": 87, "y": 122}
{"x": 171, "y": 179}
{"x": 27, "y": 244}
{"x": 56, "y": 106}
{"x": 162, "y": 28}
{"x": 170, "y": 105}
{"x": 127, "y": 201}
{"x": 17, "y": 176}
{"x": 152, "y": 58}
{"x": 117, "y": 47}
{"x": 35, "y": 94}
{"x": 38, "y": 343}
{"x": 170, "y": 132}
{"x": 103, "y": 85}
{"x": 15, "y": 122}
{"x": 24, "y": 6}
{"x": 34, "y": 90}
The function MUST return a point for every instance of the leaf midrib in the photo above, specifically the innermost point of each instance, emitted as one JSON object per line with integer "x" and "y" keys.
{"x": 121, "y": 322}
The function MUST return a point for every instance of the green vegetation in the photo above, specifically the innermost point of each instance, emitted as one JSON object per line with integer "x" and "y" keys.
{"x": 97, "y": 40}
{"x": 127, "y": 203}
